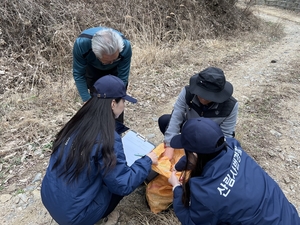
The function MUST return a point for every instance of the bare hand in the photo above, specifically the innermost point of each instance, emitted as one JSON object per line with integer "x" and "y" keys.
{"x": 169, "y": 152}
{"x": 152, "y": 155}
{"x": 173, "y": 180}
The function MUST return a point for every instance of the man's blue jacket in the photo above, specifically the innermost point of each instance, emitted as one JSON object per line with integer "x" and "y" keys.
{"x": 83, "y": 56}
{"x": 85, "y": 201}
{"x": 234, "y": 189}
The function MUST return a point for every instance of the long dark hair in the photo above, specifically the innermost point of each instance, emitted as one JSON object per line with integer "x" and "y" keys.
{"x": 194, "y": 167}
{"x": 93, "y": 124}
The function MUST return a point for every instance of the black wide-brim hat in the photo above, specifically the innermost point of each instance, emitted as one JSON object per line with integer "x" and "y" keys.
{"x": 210, "y": 84}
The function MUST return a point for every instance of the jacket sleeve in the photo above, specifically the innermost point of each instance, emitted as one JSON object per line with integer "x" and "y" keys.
{"x": 124, "y": 64}
{"x": 177, "y": 117}
{"x": 199, "y": 215}
{"x": 122, "y": 179}
{"x": 180, "y": 210}
{"x": 79, "y": 67}
{"x": 228, "y": 125}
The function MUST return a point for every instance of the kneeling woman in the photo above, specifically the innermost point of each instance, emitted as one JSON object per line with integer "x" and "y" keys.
{"x": 224, "y": 185}
{"x": 88, "y": 174}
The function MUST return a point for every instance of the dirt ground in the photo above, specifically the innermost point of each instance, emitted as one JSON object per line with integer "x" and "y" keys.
{"x": 265, "y": 80}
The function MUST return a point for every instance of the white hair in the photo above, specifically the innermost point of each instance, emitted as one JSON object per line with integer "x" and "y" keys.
{"x": 107, "y": 41}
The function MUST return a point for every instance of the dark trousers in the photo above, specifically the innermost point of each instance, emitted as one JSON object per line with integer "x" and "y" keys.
{"x": 93, "y": 74}
{"x": 163, "y": 122}
{"x": 114, "y": 201}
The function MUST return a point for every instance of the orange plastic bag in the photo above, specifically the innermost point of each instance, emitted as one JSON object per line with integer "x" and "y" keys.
{"x": 159, "y": 192}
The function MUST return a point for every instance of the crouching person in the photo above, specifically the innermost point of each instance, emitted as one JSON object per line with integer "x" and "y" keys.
{"x": 88, "y": 174}
{"x": 224, "y": 184}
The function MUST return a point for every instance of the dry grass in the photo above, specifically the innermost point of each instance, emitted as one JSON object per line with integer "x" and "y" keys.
{"x": 37, "y": 38}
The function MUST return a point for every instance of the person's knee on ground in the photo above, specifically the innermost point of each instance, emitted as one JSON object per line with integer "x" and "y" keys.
{"x": 163, "y": 122}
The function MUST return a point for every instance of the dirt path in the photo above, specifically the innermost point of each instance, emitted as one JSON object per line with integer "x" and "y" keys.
{"x": 262, "y": 82}
{"x": 259, "y": 84}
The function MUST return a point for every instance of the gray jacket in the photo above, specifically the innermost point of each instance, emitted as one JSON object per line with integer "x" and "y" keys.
{"x": 182, "y": 112}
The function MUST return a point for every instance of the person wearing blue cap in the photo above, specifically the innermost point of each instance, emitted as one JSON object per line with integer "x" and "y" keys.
{"x": 223, "y": 185}
{"x": 208, "y": 95}
{"x": 87, "y": 174}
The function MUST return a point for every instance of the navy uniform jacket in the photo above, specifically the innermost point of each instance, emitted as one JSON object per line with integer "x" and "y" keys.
{"x": 85, "y": 201}
{"x": 234, "y": 189}
{"x": 83, "y": 56}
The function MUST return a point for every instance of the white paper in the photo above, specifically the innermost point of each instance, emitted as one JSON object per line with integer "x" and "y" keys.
{"x": 135, "y": 146}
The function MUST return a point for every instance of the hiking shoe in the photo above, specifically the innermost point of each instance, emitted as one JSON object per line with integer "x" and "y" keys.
{"x": 112, "y": 218}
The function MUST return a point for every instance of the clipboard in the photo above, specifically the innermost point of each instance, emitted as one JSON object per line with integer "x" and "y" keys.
{"x": 135, "y": 146}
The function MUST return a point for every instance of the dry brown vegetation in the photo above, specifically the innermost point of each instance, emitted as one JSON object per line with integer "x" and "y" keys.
{"x": 171, "y": 40}
{"x": 38, "y": 35}
{"x": 37, "y": 38}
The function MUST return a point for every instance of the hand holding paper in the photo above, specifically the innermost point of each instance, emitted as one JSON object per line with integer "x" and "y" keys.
{"x": 135, "y": 146}
{"x": 152, "y": 155}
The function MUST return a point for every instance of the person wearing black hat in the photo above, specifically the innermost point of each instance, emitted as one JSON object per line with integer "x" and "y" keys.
{"x": 88, "y": 174}
{"x": 223, "y": 185}
{"x": 207, "y": 95}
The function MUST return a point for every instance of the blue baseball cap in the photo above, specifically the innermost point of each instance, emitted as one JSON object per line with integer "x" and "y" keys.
{"x": 111, "y": 87}
{"x": 200, "y": 135}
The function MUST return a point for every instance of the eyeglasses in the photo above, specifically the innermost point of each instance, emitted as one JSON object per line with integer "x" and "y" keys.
{"x": 111, "y": 62}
